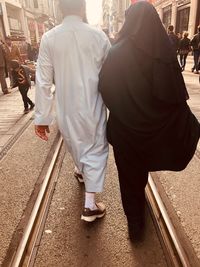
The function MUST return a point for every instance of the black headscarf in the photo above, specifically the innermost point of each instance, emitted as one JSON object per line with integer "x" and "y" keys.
{"x": 146, "y": 34}
{"x": 142, "y": 85}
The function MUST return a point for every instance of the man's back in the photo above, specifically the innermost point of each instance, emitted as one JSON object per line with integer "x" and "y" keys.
{"x": 76, "y": 52}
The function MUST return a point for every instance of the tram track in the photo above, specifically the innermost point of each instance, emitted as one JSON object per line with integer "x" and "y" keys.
{"x": 26, "y": 251}
{"x": 174, "y": 251}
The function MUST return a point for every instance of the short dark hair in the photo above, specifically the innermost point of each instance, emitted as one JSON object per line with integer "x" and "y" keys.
{"x": 14, "y": 64}
{"x": 71, "y": 5}
{"x": 171, "y": 28}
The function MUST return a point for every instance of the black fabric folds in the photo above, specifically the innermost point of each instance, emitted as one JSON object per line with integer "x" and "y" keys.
{"x": 142, "y": 86}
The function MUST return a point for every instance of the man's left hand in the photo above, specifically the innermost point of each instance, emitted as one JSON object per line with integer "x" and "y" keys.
{"x": 41, "y": 131}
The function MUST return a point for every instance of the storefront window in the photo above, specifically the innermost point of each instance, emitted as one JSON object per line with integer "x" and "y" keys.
{"x": 167, "y": 16}
{"x": 183, "y": 20}
{"x": 35, "y": 3}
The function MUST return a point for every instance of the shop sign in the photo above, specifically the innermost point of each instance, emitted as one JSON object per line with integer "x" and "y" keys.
{"x": 183, "y": 2}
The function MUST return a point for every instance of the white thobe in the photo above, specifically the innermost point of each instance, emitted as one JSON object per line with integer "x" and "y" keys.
{"x": 71, "y": 55}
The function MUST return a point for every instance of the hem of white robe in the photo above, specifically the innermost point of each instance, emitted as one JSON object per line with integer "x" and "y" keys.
{"x": 92, "y": 190}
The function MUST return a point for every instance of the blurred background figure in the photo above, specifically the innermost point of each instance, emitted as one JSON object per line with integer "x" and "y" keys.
{"x": 4, "y": 87}
{"x": 21, "y": 78}
{"x": 184, "y": 49}
{"x": 195, "y": 44}
{"x": 12, "y": 53}
{"x": 173, "y": 37}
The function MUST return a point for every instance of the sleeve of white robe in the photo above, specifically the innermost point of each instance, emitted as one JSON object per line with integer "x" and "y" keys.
{"x": 106, "y": 47}
{"x": 44, "y": 80}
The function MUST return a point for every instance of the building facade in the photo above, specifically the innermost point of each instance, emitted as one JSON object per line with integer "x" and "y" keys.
{"x": 184, "y": 15}
{"x": 113, "y": 15}
{"x": 27, "y": 19}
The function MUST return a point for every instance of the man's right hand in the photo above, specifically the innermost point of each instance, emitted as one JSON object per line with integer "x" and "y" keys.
{"x": 41, "y": 131}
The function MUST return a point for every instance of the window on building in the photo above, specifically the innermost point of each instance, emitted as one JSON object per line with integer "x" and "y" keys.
{"x": 35, "y": 2}
{"x": 182, "y": 20}
{"x": 27, "y": 3}
{"x": 167, "y": 16}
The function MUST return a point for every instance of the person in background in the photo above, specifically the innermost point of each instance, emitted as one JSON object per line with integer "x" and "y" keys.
{"x": 179, "y": 35}
{"x": 71, "y": 56}
{"x": 21, "y": 78}
{"x": 4, "y": 86}
{"x": 174, "y": 40}
{"x": 150, "y": 125}
{"x": 29, "y": 52}
{"x": 195, "y": 44}
{"x": 184, "y": 49}
{"x": 12, "y": 53}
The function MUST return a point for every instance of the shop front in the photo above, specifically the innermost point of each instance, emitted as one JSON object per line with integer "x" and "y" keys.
{"x": 183, "y": 16}
{"x": 32, "y": 30}
{"x": 167, "y": 16}
{"x": 14, "y": 20}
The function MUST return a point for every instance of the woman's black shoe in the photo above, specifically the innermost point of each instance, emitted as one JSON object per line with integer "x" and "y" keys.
{"x": 136, "y": 230}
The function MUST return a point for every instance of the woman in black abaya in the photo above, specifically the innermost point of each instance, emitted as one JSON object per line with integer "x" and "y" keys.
{"x": 150, "y": 126}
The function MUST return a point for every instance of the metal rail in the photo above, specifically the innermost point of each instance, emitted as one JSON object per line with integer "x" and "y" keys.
{"x": 175, "y": 251}
{"x": 23, "y": 256}
{"x": 25, "y": 250}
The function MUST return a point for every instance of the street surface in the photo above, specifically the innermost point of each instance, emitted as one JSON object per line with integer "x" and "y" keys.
{"x": 67, "y": 241}
{"x": 182, "y": 188}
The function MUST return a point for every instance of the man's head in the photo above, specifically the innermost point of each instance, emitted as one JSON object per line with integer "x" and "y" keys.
{"x": 8, "y": 41}
{"x": 73, "y": 7}
{"x": 198, "y": 29}
{"x": 15, "y": 65}
{"x": 170, "y": 28}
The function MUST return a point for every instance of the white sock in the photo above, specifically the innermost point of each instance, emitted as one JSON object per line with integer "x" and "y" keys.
{"x": 90, "y": 201}
{"x": 77, "y": 170}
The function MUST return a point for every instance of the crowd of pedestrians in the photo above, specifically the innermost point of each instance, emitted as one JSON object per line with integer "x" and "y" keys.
{"x": 183, "y": 46}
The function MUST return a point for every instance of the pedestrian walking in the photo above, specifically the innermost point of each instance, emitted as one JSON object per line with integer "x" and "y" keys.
{"x": 184, "y": 49}
{"x": 174, "y": 40}
{"x": 195, "y": 44}
{"x": 71, "y": 55}
{"x": 4, "y": 86}
{"x": 21, "y": 78}
{"x": 12, "y": 53}
{"x": 150, "y": 126}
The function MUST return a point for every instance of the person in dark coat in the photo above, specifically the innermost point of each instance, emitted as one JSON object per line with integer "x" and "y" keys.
{"x": 195, "y": 43}
{"x": 21, "y": 78}
{"x": 150, "y": 125}
{"x": 174, "y": 40}
{"x": 3, "y": 82}
{"x": 184, "y": 49}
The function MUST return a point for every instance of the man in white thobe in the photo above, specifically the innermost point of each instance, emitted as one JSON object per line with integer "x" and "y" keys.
{"x": 71, "y": 55}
